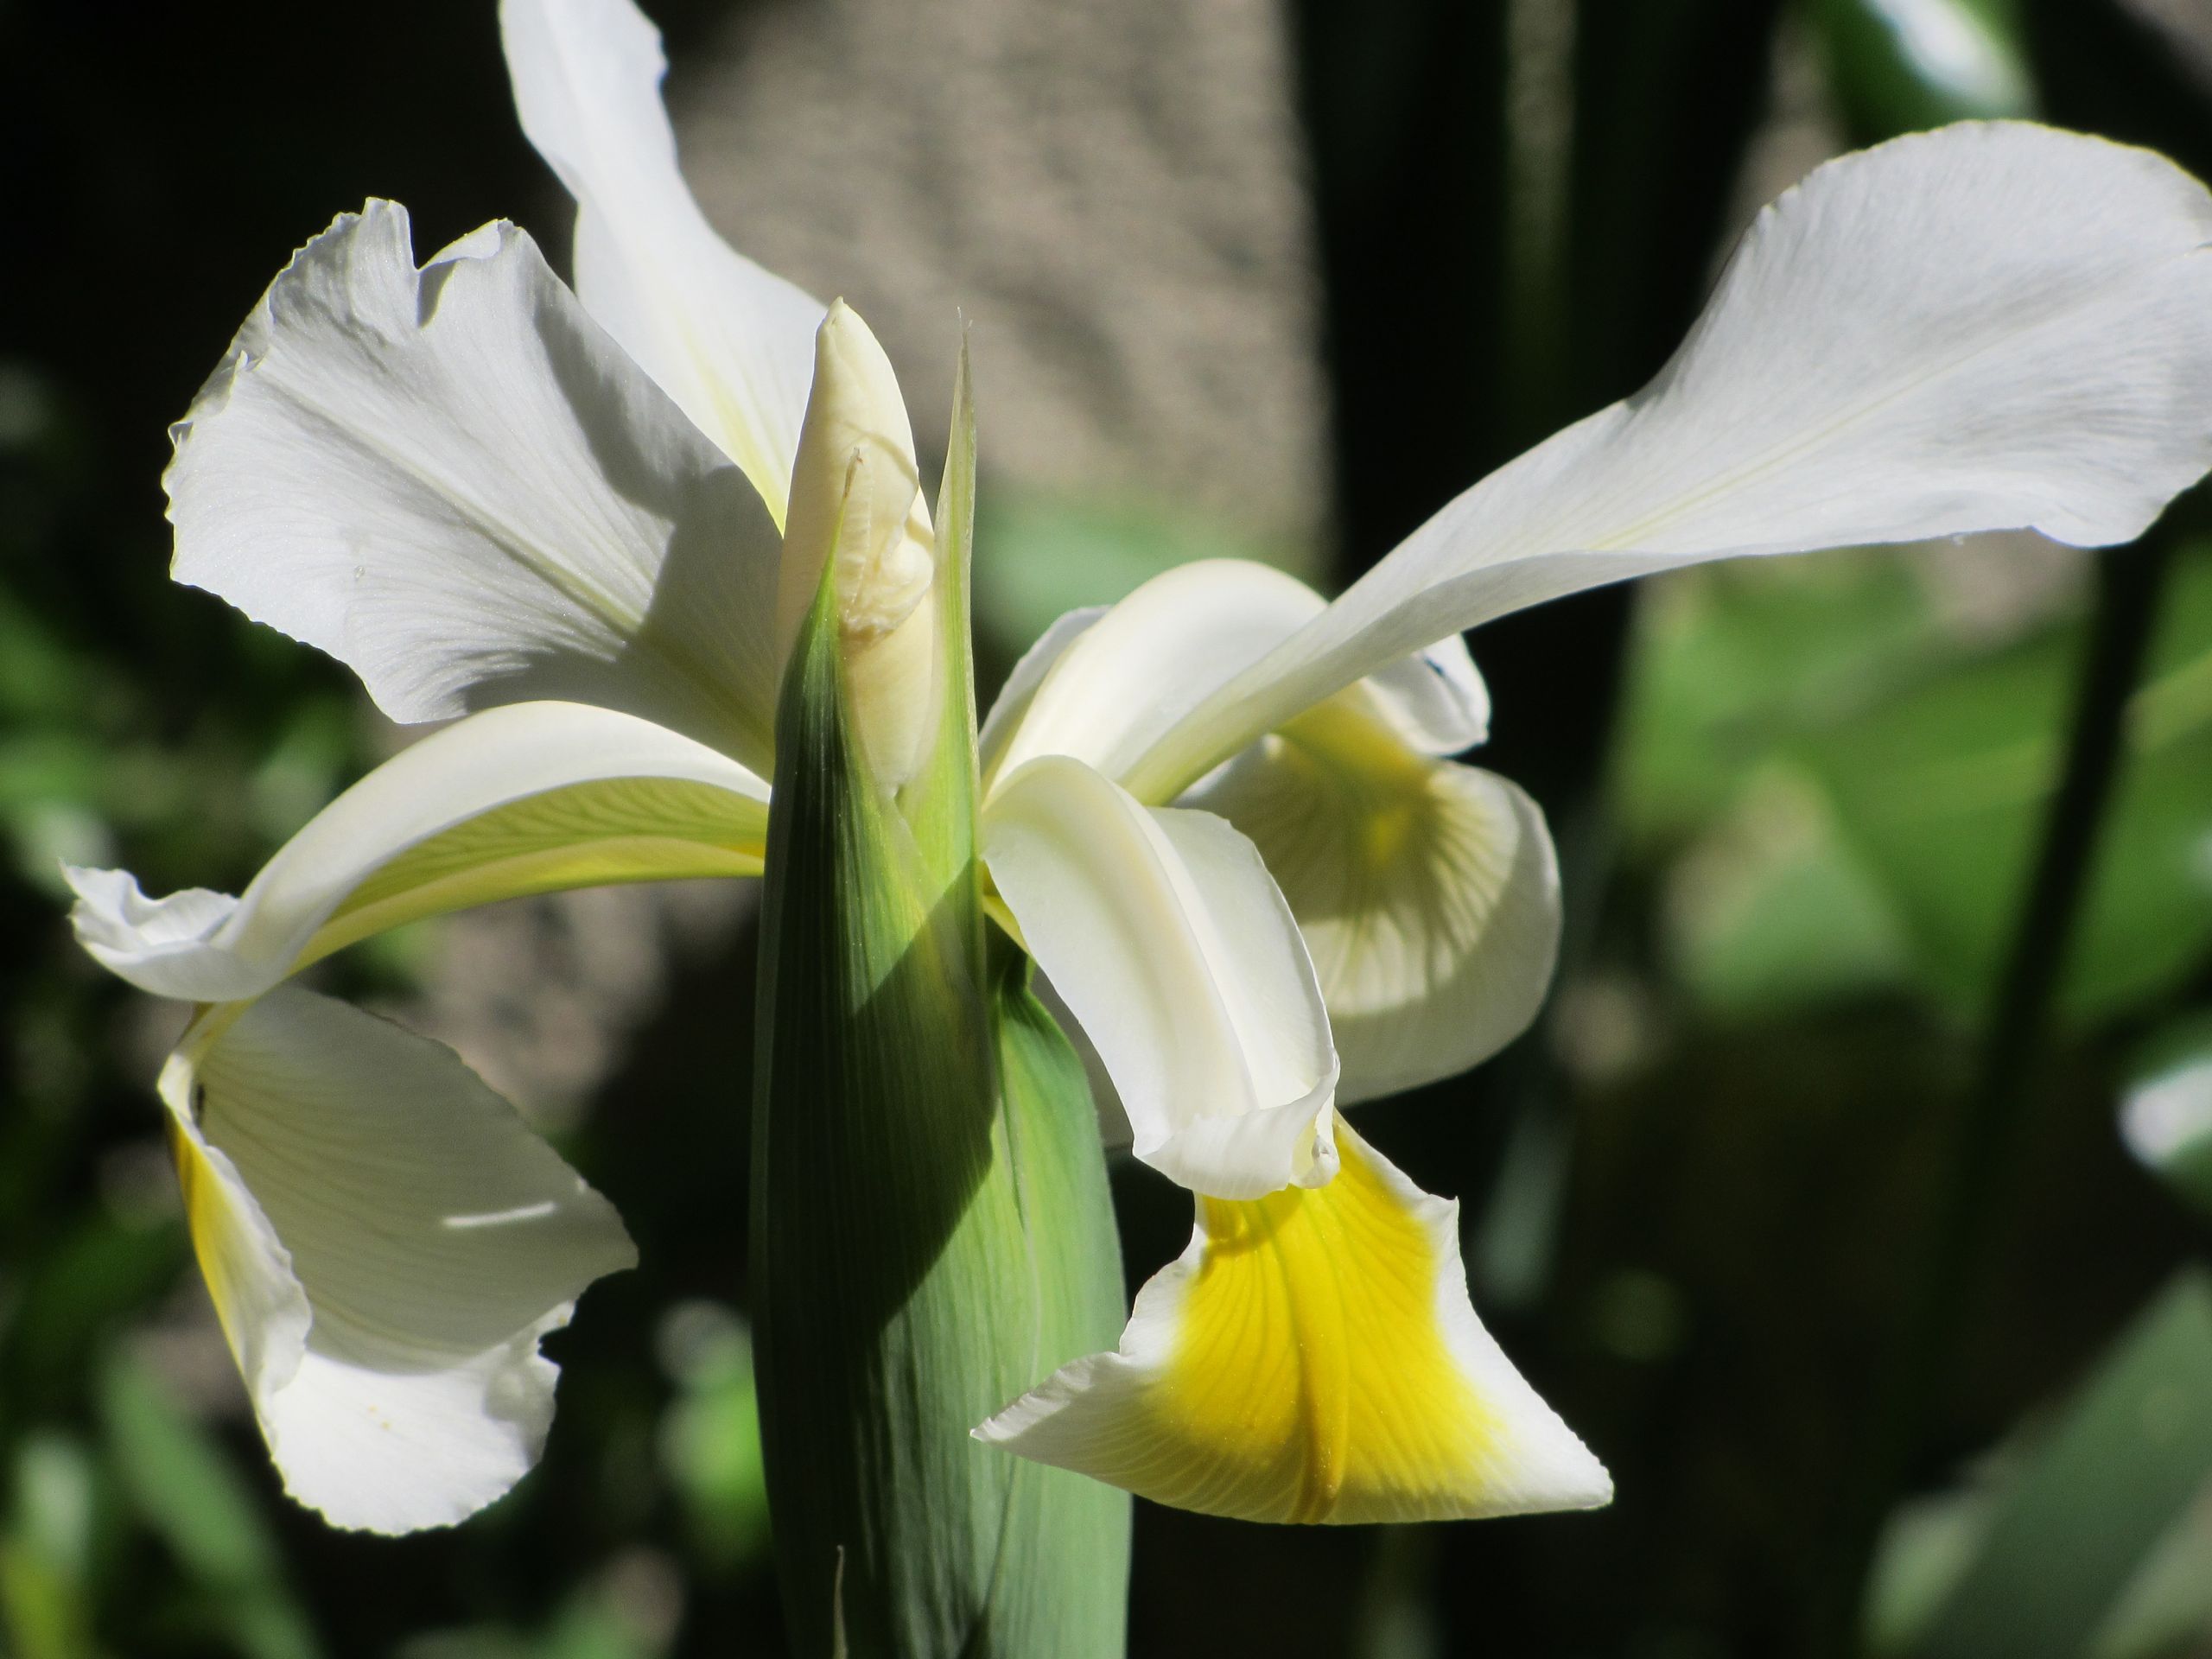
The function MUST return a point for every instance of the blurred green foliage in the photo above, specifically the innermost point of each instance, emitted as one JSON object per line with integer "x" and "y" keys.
{"x": 1854, "y": 784}
{"x": 1899, "y": 64}
{"x": 2058, "y": 1551}
{"x": 1040, "y": 555}
{"x": 1798, "y": 803}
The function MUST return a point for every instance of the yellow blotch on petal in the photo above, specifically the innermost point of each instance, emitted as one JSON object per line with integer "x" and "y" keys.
{"x": 204, "y": 1218}
{"x": 261, "y": 1310}
{"x": 1311, "y": 1357}
{"x": 1427, "y": 891}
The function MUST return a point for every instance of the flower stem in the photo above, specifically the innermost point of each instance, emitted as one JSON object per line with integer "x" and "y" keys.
{"x": 1978, "y": 1159}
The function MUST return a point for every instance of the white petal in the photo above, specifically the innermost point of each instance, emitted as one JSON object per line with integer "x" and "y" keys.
{"x": 121, "y": 928}
{"x": 431, "y": 1237}
{"x": 1427, "y": 891}
{"x": 1103, "y": 685}
{"x": 1433, "y": 699}
{"x": 1312, "y": 1357}
{"x": 264, "y": 1311}
{"x": 455, "y": 482}
{"x": 512, "y": 801}
{"x": 1011, "y": 707}
{"x": 732, "y": 343}
{"x": 1992, "y": 327}
{"x": 1164, "y": 934}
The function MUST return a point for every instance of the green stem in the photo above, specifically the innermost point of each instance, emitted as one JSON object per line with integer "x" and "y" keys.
{"x": 1977, "y": 1161}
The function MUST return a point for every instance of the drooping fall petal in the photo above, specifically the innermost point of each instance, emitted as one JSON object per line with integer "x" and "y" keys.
{"x": 1312, "y": 1357}
{"x": 385, "y": 1243}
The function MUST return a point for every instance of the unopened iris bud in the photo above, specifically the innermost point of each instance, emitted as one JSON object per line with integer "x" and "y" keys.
{"x": 856, "y": 499}
{"x": 931, "y": 1228}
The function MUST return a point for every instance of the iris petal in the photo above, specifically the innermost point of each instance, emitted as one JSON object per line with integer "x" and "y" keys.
{"x": 1427, "y": 891}
{"x": 385, "y": 1243}
{"x": 512, "y": 801}
{"x": 452, "y": 480}
{"x": 1164, "y": 934}
{"x": 1996, "y": 325}
{"x": 1312, "y": 1357}
{"x": 733, "y": 344}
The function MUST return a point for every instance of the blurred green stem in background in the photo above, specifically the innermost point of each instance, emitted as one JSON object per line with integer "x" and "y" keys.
{"x": 1979, "y": 1158}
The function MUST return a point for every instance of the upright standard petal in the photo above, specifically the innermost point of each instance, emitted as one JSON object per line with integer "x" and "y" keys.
{"x": 1312, "y": 1357}
{"x": 1991, "y": 327}
{"x": 534, "y": 798}
{"x": 1168, "y": 939}
{"x": 732, "y": 343}
{"x": 385, "y": 1243}
{"x": 1427, "y": 891}
{"x": 452, "y": 480}
{"x": 1103, "y": 685}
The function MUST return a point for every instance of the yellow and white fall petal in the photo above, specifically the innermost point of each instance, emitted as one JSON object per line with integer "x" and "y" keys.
{"x": 530, "y": 798}
{"x": 732, "y": 343}
{"x": 1103, "y": 685}
{"x": 454, "y": 481}
{"x": 1168, "y": 939}
{"x": 385, "y": 1243}
{"x": 1995, "y": 325}
{"x": 1427, "y": 891}
{"x": 1312, "y": 1356}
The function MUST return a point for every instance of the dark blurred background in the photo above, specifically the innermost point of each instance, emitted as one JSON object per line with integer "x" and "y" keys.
{"x": 1851, "y": 1199}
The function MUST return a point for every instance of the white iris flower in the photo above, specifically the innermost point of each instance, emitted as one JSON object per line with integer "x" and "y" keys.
{"x": 1221, "y": 815}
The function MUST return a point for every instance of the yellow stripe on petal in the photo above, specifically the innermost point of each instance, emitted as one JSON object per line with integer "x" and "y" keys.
{"x": 599, "y": 833}
{"x": 385, "y": 1243}
{"x": 258, "y": 1301}
{"x": 1311, "y": 1357}
{"x": 520, "y": 799}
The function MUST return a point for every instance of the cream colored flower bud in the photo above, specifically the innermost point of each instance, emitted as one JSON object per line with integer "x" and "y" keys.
{"x": 856, "y": 494}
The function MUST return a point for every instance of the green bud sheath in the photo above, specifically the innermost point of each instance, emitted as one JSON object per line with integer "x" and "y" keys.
{"x": 932, "y": 1233}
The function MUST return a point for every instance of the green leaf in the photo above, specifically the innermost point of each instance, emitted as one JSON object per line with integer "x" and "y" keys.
{"x": 1775, "y": 911}
{"x": 1731, "y": 662}
{"x": 1944, "y": 785}
{"x": 2165, "y": 1611}
{"x": 710, "y": 1439}
{"x": 1933, "y": 753}
{"x": 187, "y": 1491}
{"x": 39, "y": 677}
{"x": 46, "y": 1550}
{"x": 940, "y": 805}
{"x": 1065, "y": 1575}
{"x": 2122, "y": 1466}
